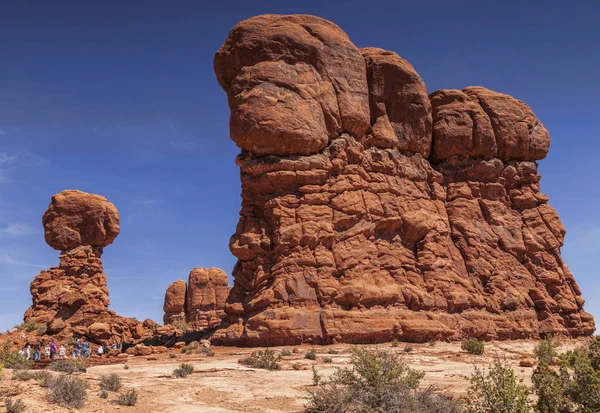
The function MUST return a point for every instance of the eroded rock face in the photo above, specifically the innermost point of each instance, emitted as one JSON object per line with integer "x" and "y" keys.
{"x": 72, "y": 298}
{"x": 76, "y": 218}
{"x": 371, "y": 211}
{"x": 201, "y": 302}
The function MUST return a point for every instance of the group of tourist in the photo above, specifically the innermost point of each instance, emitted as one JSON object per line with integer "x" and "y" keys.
{"x": 52, "y": 351}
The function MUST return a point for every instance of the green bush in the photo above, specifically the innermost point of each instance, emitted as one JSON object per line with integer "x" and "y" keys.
{"x": 332, "y": 351}
{"x": 377, "y": 382}
{"x": 12, "y": 360}
{"x": 103, "y": 394}
{"x": 41, "y": 329}
{"x": 432, "y": 342}
{"x": 14, "y": 406}
{"x": 497, "y": 391}
{"x": 545, "y": 351}
{"x": 286, "y": 352}
{"x": 575, "y": 388}
{"x": 29, "y": 326}
{"x": 184, "y": 370}
{"x": 473, "y": 346}
{"x": 408, "y": 349}
{"x": 110, "y": 382}
{"x": 128, "y": 398}
{"x": 327, "y": 360}
{"x": 263, "y": 359}
{"x": 395, "y": 343}
{"x": 67, "y": 391}
{"x": 173, "y": 356}
{"x": 181, "y": 325}
{"x": 207, "y": 351}
{"x": 311, "y": 354}
{"x": 67, "y": 366}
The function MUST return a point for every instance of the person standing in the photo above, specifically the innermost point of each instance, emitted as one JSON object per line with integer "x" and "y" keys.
{"x": 77, "y": 349}
{"x": 53, "y": 349}
{"x": 85, "y": 349}
{"x": 37, "y": 351}
{"x": 62, "y": 353}
{"x": 100, "y": 351}
{"x": 47, "y": 351}
{"x": 28, "y": 352}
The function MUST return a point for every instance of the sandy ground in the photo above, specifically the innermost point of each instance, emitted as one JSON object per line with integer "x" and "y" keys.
{"x": 221, "y": 385}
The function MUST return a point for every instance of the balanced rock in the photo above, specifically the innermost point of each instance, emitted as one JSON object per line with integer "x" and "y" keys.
{"x": 372, "y": 211}
{"x": 201, "y": 302}
{"x": 72, "y": 298}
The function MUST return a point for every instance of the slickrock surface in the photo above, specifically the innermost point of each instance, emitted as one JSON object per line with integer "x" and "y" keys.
{"x": 201, "y": 302}
{"x": 72, "y": 298}
{"x": 371, "y": 210}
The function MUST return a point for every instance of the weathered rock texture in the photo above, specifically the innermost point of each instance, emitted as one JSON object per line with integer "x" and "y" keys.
{"x": 72, "y": 298}
{"x": 371, "y": 210}
{"x": 200, "y": 303}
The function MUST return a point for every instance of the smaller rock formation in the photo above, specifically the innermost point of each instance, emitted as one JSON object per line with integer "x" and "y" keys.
{"x": 201, "y": 302}
{"x": 72, "y": 298}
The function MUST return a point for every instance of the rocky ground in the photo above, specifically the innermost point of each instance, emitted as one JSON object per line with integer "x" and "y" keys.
{"x": 220, "y": 384}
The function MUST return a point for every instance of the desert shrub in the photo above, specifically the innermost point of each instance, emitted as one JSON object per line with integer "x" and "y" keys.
{"x": 576, "y": 388}
{"x": 395, "y": 343}
{"x": 286, "y": 352}
{"x": 103, "y": 394}
{"x": 311, "y": 354}
{"x": 16, "y": 406}
{"x": 295, "y": 350}
{"x": 43, "y": 378}
{"x": 473, "y": 346}
{"x": 550, "y": 389}
{"x": 173, "y": 356}
{"x": 181, "y": 325}
{"x": 41, "y": 329}
{"x": 207, "y": 351}
{"x": 497, "y": 391}
{"x": 110, "y": 382}
{"x": 126, "y": 367}
{"x": 128, "y": 398}
{"x": 67, "y": 366}
{"x": 193, "y": 345}
{"x": 545, "y": 351}
{"x": 12, "y": 360}
{"x": 377, "y": 382}
{"x": 408, "y": 349}
{"x": 184, "y": 350}
{"x": 263, "y": 359}
{"x": 184, "y": 370}
{"x": 316, "y": 376}
{"x": 332, "y": 351}
{"x": 67, "y": 391}
{"x": 432, "y": 342}
{"x": 22, "y": 375}
{"x": 327, "y": 360}
{"x": 29, "y": 326}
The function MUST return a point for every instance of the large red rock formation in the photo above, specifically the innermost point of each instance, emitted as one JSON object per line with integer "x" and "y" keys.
{"x": 72, "y": 298}
{"x": 372, "y": 211}
{"x": 200, "y": 303}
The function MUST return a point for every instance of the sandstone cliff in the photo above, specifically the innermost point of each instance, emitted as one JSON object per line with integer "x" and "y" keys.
{"x": 372, "y": 211}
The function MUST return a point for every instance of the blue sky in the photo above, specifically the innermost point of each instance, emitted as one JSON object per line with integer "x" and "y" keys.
{"x": 120, "y": 99}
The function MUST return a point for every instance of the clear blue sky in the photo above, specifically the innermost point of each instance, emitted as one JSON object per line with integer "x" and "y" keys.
{"x": 119, "y": 98}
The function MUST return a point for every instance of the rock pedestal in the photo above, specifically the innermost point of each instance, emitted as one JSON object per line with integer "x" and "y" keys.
{"x": 72, "y": 298}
